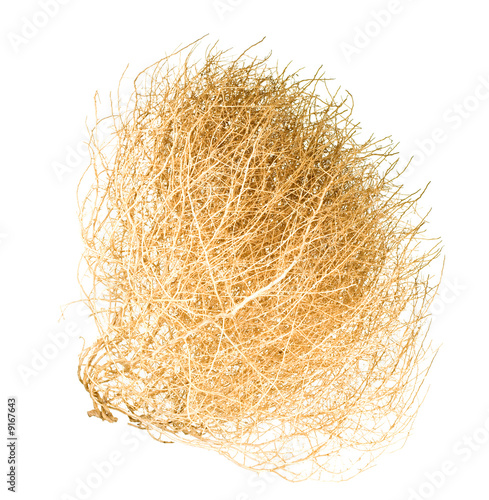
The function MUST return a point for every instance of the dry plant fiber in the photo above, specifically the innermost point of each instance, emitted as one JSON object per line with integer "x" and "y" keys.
{"x": 258, "y": 279}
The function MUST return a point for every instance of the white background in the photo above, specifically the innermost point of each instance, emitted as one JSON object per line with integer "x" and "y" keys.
{"x": 415, "y": 68}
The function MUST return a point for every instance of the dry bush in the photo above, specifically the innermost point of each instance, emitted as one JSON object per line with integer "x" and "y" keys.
{"x": 258, "y": 279}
